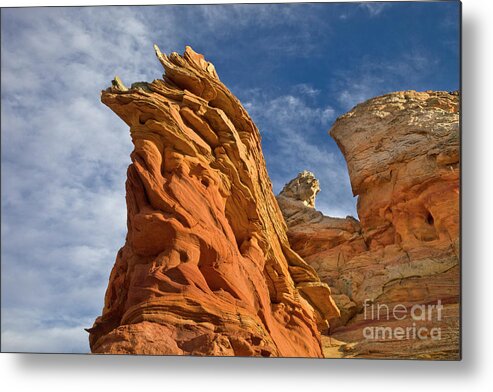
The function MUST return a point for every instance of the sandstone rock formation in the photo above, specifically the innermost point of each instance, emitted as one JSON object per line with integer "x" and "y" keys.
{"x": 318, "y": 237}
{"x": 402, "y": 152}
{"x": 206, "y": 268}
{"x": 303, "y": 188}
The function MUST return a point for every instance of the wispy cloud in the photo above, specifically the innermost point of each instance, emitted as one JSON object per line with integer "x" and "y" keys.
{"x": 307, "y": 90}
{"x": 367, "y": 9}
{"x": 373, "y": 77}
{"x": 374, "y": 9}
{"x": 274, "y": 29}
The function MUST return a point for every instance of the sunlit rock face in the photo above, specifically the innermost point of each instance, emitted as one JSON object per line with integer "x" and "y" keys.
{"x": 402, "y": 152}
{"x": 303, "y": 188}
{"x": 206, "y": 268}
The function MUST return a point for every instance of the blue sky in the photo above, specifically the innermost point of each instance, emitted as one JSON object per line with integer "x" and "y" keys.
{"x": 64, "y": 154}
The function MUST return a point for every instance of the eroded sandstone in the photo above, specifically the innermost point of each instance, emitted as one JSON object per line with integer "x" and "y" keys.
{"x": 402, "y": 152}
{"x": 206, "y": 268}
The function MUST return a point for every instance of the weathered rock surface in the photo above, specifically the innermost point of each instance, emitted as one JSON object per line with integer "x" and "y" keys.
{"x": 402, "y": 152}
{"x": 206, "y": 268}
{"x": 303, "y": 188}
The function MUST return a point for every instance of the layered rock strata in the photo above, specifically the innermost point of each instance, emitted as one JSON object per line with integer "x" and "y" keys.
{"x": 402, "y": 153}
{"x": 206, "y": 268}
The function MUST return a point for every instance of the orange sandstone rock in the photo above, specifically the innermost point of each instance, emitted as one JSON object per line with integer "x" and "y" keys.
{"x": 206, "y": 268}
{"x": 402, "y": 152}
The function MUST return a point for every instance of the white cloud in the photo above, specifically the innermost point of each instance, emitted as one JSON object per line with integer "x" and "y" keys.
{"x": 28, "y": 334}
{"x": 46, "y": 340}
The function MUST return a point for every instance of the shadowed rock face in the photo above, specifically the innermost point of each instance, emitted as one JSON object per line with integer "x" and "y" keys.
{"x": 402, "y": 152}
{"x": 206, "y": 268}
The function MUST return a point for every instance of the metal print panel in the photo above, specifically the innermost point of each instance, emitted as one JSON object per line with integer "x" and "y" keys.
{"x": 292, "y": 189}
